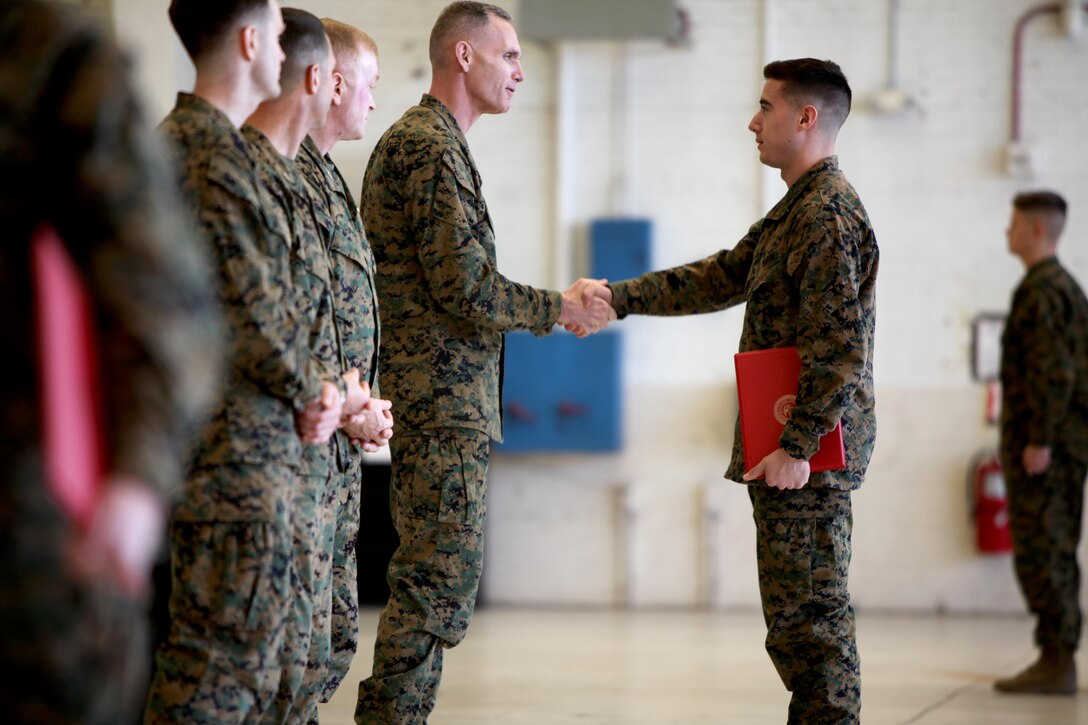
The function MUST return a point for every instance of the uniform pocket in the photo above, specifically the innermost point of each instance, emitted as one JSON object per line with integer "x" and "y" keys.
{"x": 441, "y": 478}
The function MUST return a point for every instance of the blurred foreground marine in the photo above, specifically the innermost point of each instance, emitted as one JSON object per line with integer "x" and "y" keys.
{"x": 1044, "y": 439}
{"x": 78, "y": 171}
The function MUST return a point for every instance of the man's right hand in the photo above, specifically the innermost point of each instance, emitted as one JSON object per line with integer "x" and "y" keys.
{"x": 587, "y": 307}
{"x": 372, "y": 429}
{"x": 317, "y": 421}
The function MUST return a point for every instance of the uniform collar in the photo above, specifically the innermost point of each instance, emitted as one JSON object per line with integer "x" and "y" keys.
{"x": 311, "y": 148}
{"x": 439, "y": 108}
{"x": 782, "y": 208}
{"x": 1042, "y": 265}
{"x": 193, "y": 102}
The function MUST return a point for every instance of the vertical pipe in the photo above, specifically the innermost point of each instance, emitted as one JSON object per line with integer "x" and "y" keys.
{"x": 618, "y": 153}
{"x": 626, "y": 538}
{"x": 893, "y": 44}
{"x": 712, "y": 535}
{"x": 566, "y": 156}
{"x": 1017, "y": 60}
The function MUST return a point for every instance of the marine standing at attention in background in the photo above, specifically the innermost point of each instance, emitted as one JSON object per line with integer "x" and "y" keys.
{"x": 1044, "y": 439}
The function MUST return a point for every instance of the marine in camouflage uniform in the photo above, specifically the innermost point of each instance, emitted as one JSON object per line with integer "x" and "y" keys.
{"x": 313, "y": 513}
{"x": 357, "y": 320}
{"x": 73, "y": 155}
{"x": 444, "y": 308}
{"x": 807, "y": 272}
{"x": 1044, "y": 379}
{"x": 233, "y": 594}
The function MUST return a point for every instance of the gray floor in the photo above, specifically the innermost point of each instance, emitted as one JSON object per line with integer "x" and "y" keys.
{"x": 546, "y": 667}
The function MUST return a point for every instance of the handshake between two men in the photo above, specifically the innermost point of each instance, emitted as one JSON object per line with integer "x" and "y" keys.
{"x": 587, "y": 307}
{"x": 368, "y": 422}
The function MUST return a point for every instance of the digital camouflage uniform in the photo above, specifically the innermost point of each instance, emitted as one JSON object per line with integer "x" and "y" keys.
{"x": 357, "y": 321}
{"x": 312, "y": 515}
{"x": 807, "y": 271}
{"x": 231, "y": 545}
{"x": 74, "y": 155}
{"x": 1044, "y": 382}
{"x": 444, "y": 308}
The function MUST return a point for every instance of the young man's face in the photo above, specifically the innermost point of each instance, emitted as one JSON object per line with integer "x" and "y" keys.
{"x": 270, "y": 55}
{"x": 1021, "y": 233}
{"x": 496, "y": 71}
{"x": 775, "y": 126}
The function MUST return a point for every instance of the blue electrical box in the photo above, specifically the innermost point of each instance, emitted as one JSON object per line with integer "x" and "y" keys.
{"x": 619, "y": 248}
{"x": 562, "y": 394}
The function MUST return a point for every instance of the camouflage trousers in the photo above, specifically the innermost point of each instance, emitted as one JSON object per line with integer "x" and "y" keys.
{"x": 803, "y": 553}
{"x": 344, "y": 622}
{"x": 70, "y": 652}
{"x": 438, "y": 503}
{"x": 308, "y": 636}
{"x": 231, "y": 600}
{"x": 1045, "y": 522}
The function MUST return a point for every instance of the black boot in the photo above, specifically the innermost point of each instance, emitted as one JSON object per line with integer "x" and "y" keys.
{"x": 1054, "y": 673}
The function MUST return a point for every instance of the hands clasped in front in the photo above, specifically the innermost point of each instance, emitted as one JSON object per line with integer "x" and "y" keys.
{"x": 367, "y": 421}
{"x": 587, "y": 307}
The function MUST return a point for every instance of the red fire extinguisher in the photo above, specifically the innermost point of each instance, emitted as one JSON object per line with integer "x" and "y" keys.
{"x": 989, "y": 504}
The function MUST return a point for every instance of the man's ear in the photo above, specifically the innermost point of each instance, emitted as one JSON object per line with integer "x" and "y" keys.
{"x": 463, "y": 54}
{"x": 1038, "y": 228}
{"x": 247, "y": 39}
{"x": 313, "y": 79}
{"x": 337, "y": 88}
{"x": 809, "y": 116}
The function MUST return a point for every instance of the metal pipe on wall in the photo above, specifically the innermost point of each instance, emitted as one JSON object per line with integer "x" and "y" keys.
{"x": 1017, "y": 60}
{"x": 566, "y": 162}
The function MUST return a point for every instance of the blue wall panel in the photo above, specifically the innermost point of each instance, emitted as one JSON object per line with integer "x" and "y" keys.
{"x": 619, "y": 248}
{"x": 562, "y": 393}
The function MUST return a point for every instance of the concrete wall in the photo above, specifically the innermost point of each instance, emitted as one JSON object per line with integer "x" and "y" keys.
{"x": 604, "y": 128}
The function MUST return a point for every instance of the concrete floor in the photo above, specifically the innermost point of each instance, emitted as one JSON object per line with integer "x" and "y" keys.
{"x": 596, "y": 667}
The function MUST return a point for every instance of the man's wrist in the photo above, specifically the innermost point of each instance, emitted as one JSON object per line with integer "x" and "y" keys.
{"x": 794, "y": 451}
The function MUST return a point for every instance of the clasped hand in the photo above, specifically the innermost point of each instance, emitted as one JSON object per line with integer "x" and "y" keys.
{"x": 587, "y": 307}
{"x": 320, "y": 417}
{"x": 373, "y": 427}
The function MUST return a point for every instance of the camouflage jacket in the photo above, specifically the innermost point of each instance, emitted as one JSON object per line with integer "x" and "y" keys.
{"x": 1044, "y": 363}
{"x": 272, "y": 366}
{"x": 444, "y": 305}
{"x": 291, "y": 206}
{"x": 807, "y": 271}
{"x": 351, "y": 259}
{"x": 74, "y": 155}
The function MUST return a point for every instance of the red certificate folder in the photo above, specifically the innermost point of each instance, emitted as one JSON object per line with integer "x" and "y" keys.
{"x": 767, "y": 392}
{"x": 74, "y": 457}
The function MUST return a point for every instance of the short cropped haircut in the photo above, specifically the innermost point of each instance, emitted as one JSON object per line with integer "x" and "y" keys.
{"x": 202, "y": 25}
{"x": 1048, "y": 206}
{"x": 461, "y": 18}
{"x": 817, "y": 82}
{"x": 347, "y": 41}
{"x": 304, "y": 44}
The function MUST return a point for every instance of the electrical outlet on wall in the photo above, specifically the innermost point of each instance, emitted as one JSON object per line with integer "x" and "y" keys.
{"x": 1019, "y": 161}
